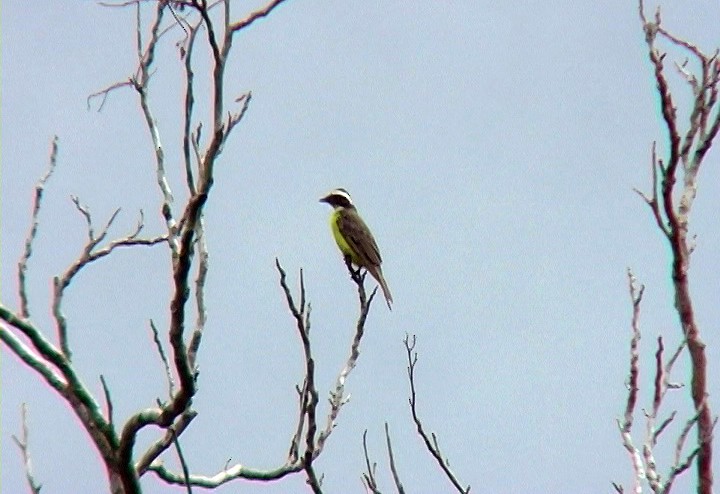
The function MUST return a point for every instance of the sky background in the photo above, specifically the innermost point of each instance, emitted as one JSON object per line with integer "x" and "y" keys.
{"x": 491, "y": 146}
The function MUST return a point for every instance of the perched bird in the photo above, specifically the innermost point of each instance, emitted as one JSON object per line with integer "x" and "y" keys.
{"x": 354, "y": 239}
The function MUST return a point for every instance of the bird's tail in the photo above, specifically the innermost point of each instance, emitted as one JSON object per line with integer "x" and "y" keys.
{"x": 376, "y": 273}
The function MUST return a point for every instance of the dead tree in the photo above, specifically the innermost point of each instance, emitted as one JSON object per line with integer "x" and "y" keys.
{"x": 673, "y": 189}
{"x": 196, "y": 23}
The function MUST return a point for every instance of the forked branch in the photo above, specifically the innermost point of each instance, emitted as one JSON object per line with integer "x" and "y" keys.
{"x": 23, "y": 444}
{"x": 674, "y": 190}
{"x": 431, "y": 443}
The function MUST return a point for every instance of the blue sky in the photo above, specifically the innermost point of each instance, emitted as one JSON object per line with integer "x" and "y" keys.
{"x": 491, "y": 146}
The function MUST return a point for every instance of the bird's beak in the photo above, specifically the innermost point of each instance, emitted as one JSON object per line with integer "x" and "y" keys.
{"x": 324, "y": 199}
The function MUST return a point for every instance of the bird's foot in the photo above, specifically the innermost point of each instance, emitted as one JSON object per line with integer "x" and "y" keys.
{"x": 355, "y": 273}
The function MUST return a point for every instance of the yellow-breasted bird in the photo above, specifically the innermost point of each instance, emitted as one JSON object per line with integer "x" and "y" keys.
{"x": 354, "y": 239}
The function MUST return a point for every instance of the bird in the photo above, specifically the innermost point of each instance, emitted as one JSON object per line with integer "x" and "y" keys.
{"x": 354, "y": 239}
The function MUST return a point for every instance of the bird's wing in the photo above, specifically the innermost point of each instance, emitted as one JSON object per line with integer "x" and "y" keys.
{"x": 358, "y": 236}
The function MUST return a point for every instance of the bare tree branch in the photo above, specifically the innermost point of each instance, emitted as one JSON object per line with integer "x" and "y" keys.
{"x": 303, "y": 396}
{"x": 337, "y": 396}
{"x": 26, "y": 354}
{"x": 183, "y": 463}
{"x": 162, "y": 444}
{"x": 258, "y": 14}
{"x": 56, "y": 369}
{"x": 108, "y": 400}
{"x": 186, "y": 53}
{"x": 302, "y": 321}
{"x": 645, "y": 467}
{"x": 37, "y": 201}
{"x": 391, "y": 459}
{"x": 163, "y": 358}
{"x": 228, "y": 474}
{"x": 431, "y": 446}
{"x": 89, "y": 255}
{"x": 368, "y": 477}
{"x": 685, "y": 155}
{"x": 652, "y": 201}
{"x": 187, "y": 243}
{"x": 22, "y": 443}
{"x": 104, "y": 93}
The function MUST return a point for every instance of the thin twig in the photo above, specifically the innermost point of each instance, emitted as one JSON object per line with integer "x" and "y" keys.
{"x": 431, "y": 446}
{"x": 653, "y": 201}
{"x": 625, "y": 426}
{"x": 337, "y": 396}
{"x": 89, "y": 255}
{"x": 294, "y": 451}
{"x": 22, "y": 443}
{"x": 258, "y": 14}
{"x": 368, "y": 477}
{"x": 157, "y": 448}
{"x": 104, "y": 93}
{"x": 391, "y": 458}
{"x": 187, "y": 52}
{"x": 37, "y": 201}
{"x": 183, "y": 463}
{"x": 163, "y": 358}
{"x": 108, "y": 399}
{"x": 302, "y": 320}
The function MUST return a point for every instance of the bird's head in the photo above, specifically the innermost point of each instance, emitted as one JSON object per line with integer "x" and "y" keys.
{"x": 338, "y": 199}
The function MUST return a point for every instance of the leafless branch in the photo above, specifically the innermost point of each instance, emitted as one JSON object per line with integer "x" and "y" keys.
{"x": 258, "y": 14}
{"x": 37, "y": 201}
{"x": 391, "y": 459}
{"x": 68, "y": 384}
{"x": 303, "y": 396}
{"x": 187, "y": 52}
{"x": 653, "y": 201}
{"x": 146, "y": 57}
{"x": 301, "y": 314}
{"x": 636, "y": 295}
{"x": 162, "y": 444}
{"x": 663, "y": 426}
{"x": 228, "y": 474}
{"x": 187, "y": 242}
{"x": 337, "y": 396}
{"x": 308, "y": 399}
{"x": 680, "y": 465}
{"x": 22, "y": 443}
{"x": 183, "y": 463}
{"x": 686, "y": 151}
{"x": 108, "y": 400}
{"x": 89, "y": 255}
{"x": 163, "y": 358}
{"x": 203, "y": 263}
{"x": 54, "y": 364}
{"x": 26, "y": 354}
{"x": 184, "y": 237}
{"x": 235, "y": 118}
{"x": 431, "y": 445}
{"x": 104, "y": 93}
{"x": 368, "y": 477}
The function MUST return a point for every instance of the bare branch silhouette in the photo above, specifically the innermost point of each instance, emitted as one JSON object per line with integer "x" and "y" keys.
{"x": 37, "y": 201}
{"x": 674, "y": 185}
{"x": 24, "y": 446}
{"x": 430, "y": 444}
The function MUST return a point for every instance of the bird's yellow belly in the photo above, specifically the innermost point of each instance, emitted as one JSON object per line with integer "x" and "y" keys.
{"x": 340, "y": 240}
